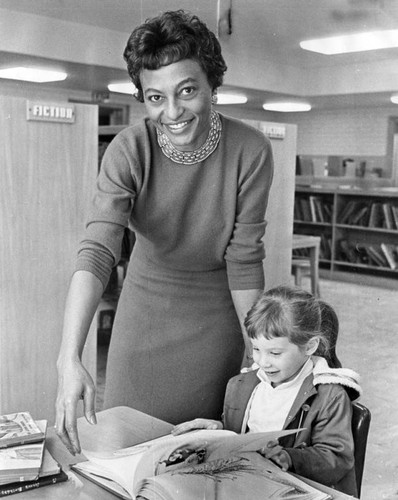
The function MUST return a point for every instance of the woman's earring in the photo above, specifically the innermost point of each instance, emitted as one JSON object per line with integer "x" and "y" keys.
{"x": 214, "y": 98}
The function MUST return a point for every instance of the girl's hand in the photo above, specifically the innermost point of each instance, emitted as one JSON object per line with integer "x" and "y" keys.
{"x": 273, "y": 451}
{"x": 198, "y": 423}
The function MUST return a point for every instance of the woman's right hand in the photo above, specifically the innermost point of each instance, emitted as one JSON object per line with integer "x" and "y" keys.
{"x": 198, "y": 423}
{"x": 74, "y": 383}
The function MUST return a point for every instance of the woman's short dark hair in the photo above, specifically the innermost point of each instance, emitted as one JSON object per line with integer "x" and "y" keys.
{"x": 171, "y": 37}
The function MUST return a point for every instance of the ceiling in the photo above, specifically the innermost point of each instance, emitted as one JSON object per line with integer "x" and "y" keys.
{"x": 262, "y": 52}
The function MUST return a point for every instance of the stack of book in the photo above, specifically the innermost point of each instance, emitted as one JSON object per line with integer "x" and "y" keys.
{"x": 25, "y": 463}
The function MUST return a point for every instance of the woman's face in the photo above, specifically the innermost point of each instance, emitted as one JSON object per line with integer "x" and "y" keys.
{"x": 178, "y": 101}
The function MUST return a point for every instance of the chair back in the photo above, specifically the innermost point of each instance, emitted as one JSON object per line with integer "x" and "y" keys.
{"x": 360, "y": 430}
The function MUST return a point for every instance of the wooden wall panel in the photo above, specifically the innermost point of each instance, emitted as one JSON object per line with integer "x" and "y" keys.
{"x": 47, "y": 173}
{"x": 279, "y": 231}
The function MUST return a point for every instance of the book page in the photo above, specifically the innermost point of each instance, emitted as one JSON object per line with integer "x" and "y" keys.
{"x": 246, "y": 475}
{"x": 130, "y": 466}
{"x": 121, "y": 465}
{"x": 95, "y": 473}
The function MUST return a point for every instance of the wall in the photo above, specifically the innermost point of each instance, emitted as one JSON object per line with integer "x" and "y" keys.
{"x": 365, "y": 132}
{"x": 353, "y": 131}
{"x": 358, "y": 131}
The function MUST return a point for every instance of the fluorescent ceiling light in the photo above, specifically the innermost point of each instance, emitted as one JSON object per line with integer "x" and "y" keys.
{"x": 32, "y": 74}
{"x": 286, "y": 107}
{"x": 123, "y": 87}
{"x": 394, "y": 99}
{"x": 359, "y": 42}
{"x": 231, "y": 98}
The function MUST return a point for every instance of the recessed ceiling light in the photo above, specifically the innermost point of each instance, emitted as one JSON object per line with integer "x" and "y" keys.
{"x": 394, "y": 99}
{"x": 32, "y": 74}
{"x": 286, "y": 107}
{"x": 359, "y": 42}
{"x": 123, "y": 87}
{"x": 223, "y": 98}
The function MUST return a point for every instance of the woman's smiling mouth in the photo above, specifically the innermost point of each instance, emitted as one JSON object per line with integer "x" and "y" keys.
{"x": 176, "y": 126}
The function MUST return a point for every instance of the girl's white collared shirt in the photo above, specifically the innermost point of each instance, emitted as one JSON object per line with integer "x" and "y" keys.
{"x": 269, "y": 406}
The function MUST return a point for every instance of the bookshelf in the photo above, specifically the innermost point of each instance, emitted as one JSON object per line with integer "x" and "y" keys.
{"x": 358, "y": 228}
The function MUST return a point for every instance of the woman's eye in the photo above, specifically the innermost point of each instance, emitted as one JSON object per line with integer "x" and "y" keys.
{"x": 275, "y": 353}
{"x": 154, "y": 98}
{"x": 187, "y": 91}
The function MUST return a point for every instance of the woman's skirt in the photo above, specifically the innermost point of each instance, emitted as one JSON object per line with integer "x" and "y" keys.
{"x": 176, "y": 341}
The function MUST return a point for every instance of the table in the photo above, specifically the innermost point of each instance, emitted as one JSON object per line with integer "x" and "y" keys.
{"x": 312, "y": 243}
{"x": 116, "y": 428}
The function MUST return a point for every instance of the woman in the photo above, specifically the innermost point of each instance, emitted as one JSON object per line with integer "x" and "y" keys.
{"x": 193, "y": 185}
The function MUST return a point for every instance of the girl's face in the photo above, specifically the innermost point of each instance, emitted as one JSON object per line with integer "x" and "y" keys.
{"x": 178, "y": 101}
{"x": 279, "y": 358}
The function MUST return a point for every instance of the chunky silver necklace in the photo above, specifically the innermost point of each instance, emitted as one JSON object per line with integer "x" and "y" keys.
{"x": 191, "y": 157}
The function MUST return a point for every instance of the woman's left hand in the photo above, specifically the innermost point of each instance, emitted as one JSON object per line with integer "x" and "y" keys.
{"x": 198, "y": 423}
{"x": 273, "y": 451}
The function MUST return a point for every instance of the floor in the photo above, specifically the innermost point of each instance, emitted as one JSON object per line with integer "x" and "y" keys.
{"x": 368, "y": 343}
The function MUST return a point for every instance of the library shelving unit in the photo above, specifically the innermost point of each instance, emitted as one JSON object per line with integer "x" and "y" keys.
{"x": 358, "y": 228}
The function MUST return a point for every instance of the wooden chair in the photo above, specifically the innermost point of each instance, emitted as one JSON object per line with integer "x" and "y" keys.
{"x": 360, "y": 429}
{"x": 301, "y": 267}
{"x": 308, "y": 262}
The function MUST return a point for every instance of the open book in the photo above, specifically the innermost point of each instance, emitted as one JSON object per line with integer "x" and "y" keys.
{"x": 202, "y": 464}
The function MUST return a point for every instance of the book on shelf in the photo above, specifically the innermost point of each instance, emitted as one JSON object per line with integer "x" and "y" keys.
{"x": 347, "y": 211}
{"x": 325, "y": 250}
{"x": 314, "y": 208}
{"x": 360, "y": 216}
{"x": 354, "y": 213}
{"x": 50, "y": 473}
{"x": 388, "y": 217}
{"x": 215, "y": 464}
{"x": 376, "y": 255}
{"x": 19, "y": 428}
{"x": 362, "y": 255}
{"x": 348, "y": 252}
{"x": 297, "y": 210}
{"x": 327, "y": 211}
{"x": 305, "y": 209}
{"x": 394, "y": 210}
{"x": 376, "y": 215}
{"x": 321, "y": 214}
{"x": 22, "y": 462}
{"x": 390, "y": 253}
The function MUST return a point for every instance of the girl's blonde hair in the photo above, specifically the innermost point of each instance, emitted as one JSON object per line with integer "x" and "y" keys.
{"x": 287, "y": 311}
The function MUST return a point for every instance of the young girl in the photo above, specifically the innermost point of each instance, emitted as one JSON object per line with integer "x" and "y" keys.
{"x": 290, "y": 387}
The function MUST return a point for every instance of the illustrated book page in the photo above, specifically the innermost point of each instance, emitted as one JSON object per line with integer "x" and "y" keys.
{"x": 222, "y": 463}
